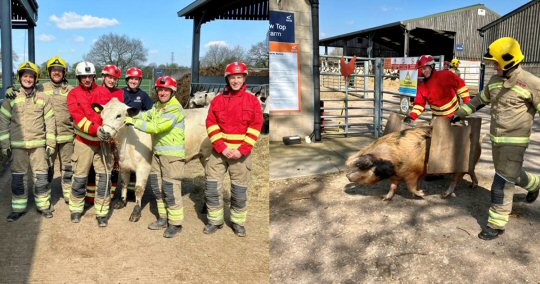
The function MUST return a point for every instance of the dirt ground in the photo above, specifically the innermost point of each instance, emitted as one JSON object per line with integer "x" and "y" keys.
{"x": 323, "y": 229}
{"x": 38, "y": 250}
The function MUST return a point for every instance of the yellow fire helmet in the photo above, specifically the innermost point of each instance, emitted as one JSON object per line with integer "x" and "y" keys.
{"x": 505, "y": 51}
{"x": 57, "y": 61}
{"x": 28, "y": 66}
{"x": 454, "y": 62}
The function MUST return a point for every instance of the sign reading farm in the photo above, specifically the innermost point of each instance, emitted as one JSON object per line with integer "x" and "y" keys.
{"x": 281, "y": 26}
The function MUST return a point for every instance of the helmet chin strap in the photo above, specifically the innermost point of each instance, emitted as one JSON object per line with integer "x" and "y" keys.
{"x": 508, "y": 73}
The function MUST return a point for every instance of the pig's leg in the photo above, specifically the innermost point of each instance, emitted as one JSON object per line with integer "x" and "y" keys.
{"x": 393, "y": 188}
{"x": 412, "y": 183}
{"x": 455, "y": 179}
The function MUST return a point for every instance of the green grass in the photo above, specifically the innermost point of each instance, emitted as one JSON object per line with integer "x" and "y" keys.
{"x": 147, "y": 85}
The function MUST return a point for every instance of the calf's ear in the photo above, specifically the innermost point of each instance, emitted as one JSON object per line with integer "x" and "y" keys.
{"x": 132, "y": 111}
{"x": 97, "y": 107}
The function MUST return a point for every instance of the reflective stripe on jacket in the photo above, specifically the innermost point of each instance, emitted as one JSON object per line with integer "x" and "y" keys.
{"x": 27, "y": 121}
{"x": 514, "y": 102}
{"x": 165, "y": 121}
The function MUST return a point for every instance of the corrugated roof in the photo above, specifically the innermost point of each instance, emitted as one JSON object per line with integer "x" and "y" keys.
{"x": 510, "y": 14}
{"x": 404, "y": 22}
{"x": 210, "y": 10}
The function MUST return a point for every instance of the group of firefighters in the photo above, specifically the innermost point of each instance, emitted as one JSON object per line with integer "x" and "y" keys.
{"x": 514, "y": 96}
{"x": 42, "y": 122}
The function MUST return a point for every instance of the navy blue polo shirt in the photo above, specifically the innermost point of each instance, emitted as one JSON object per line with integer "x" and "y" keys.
{"x": 139, "y": 99}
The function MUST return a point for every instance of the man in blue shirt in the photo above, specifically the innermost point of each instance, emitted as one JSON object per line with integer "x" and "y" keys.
{"x": 133, "y": 95}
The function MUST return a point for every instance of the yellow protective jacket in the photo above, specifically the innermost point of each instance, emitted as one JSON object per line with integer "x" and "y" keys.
{"x": 27, "y": 121}
{"x": 64, "y": 122}
{"x": 514, "y": 102}
{"x": 165, "y": 121}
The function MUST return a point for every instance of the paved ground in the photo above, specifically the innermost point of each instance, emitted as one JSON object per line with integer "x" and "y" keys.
{"x": 323, "y": 229}
{"x": 38, "y": 250}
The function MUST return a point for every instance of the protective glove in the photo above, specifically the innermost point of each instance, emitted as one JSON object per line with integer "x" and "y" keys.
{"x": 6, "y": 153}
{"x": 50, "y": 151}
{"x": 408, "y": 119}
{"x": 128, "y": 120}
{"x": 458, "y": 115}
{"x": 11, "y": 92}
{"x": 455, "y": 119}
{"x": 102, "y": 135}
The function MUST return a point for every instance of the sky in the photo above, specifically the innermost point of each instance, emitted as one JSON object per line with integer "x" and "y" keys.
{"x": 68, "y": 28}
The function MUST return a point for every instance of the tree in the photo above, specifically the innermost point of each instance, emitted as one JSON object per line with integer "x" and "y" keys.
{"x": 119, "y": 50}
{"x": 258, "y": 55}
{"x": 14, "y": 56}
{"x": 219, "y": 55}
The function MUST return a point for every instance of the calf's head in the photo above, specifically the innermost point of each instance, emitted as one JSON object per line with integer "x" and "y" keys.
{"x": 368, "y": 169}
{"x": 114, "y": 114}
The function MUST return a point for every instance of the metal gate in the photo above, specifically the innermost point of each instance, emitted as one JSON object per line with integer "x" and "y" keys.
{"x": 362, "y": 105}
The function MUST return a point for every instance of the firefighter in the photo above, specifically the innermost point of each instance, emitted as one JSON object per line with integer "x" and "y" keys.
{"x": 133, "y": 95}
{"x": 27, "y": 135}
{"x": 233, "y": 124}
{"x": 454, "y": 66}
{"x": 439, "y": 88}
{"x": 58, "y": 88}
{"x": 165, "y": 121}
{"x": 515, "y": 98}
{"x": 90, "y": 147}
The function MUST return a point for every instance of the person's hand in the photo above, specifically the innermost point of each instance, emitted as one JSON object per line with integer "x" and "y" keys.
{"x": 102, "y": 135}
{"x": 227, "y": 153}
{"x": 128, "y": 120}
{"x": 11, "y": 92}
{"x": 235, "y": 154}
{"x": 408, "y": 119}
{"x": 6, "y": 153}
{"x": 50, "y": 151}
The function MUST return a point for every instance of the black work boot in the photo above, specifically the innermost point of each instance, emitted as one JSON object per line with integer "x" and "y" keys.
{"x": 14, "y": 216}
{"x": 239, "y": 230}
{"x": 102, "y": 221}
{"x": 531, "y": 196}
{"x": 47, "y": 213}
{"x": 75, "y": 217}
{"x": 490, "y": 233}
{"x": 172, "y": 230}
{"x": 159, "y": 224}
{"x": 211, "y": 228}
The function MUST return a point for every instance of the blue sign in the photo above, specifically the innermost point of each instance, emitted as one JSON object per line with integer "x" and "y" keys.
{"x": 281, "y": 26}
{"x": 460, "y": 47}
{"x": 159, "y": 72}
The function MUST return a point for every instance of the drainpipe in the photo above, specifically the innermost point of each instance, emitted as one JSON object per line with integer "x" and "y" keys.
{"x": 482, "y": 65}
{"x": 316, "y": 73}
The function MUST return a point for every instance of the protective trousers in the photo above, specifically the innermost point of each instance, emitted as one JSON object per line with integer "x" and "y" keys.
{"x": 36, "y": 159}
{"x": 102, "y": 159}
{"x": 64, "y": 151}
{"x": 240, "y": 174}
{"x": 508, "y": 162}
{"x": 166, "y": 183}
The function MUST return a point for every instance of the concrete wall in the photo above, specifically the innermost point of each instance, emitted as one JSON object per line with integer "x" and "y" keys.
{"x": 297, "y": 123}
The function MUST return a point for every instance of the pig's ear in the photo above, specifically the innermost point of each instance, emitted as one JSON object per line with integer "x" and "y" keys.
{"x": 364, "y": 162}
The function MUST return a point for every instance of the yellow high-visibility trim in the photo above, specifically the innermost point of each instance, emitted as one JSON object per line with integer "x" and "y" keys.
{"x": 238, "y": 137}
{"x": 87, "y": 126}
{"x": 441, "y": 113}
{"x": 216, "y": 137}
{"x": 497, "y": 85}
{"x": 416, "y": 111}
{"x": 5, "y": 112}
{"x": 4, "y": 137}
{"x": 462, "y": 90}
{"x": 446, "y": 106}
{"x": 509, "y": 140}
{"x": 49, "y": 114}
{"x": 468, "y": 110}
{"x": 499, "y": 220}
{"x": 522, "y": 91}
{"x": 232, "y": 146}
{"x": 534, "y": 181}
{"x": 483, "y": 97}
{"x": 250, "y": 141}
{"x": 212, "y": 128}
{"x": 419, "y": 107}
{"x": 82, "y": 122}
{"x": 253, "y": 131}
